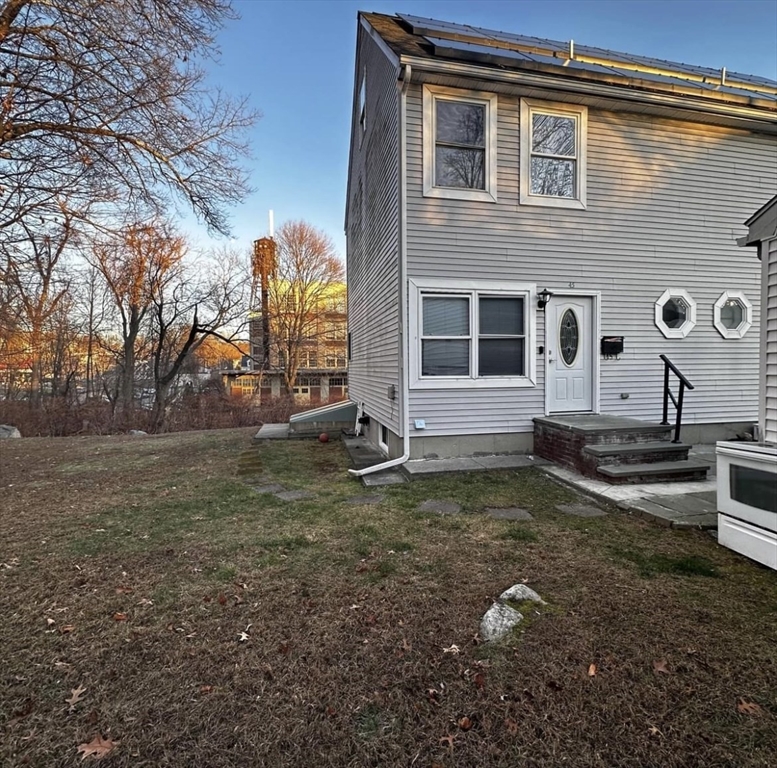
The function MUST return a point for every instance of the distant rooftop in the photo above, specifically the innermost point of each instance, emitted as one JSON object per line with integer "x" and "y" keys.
{"x": 427, "y": 38}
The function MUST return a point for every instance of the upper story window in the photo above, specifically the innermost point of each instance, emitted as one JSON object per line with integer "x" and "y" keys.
{"x": 472, "y": 335}
{"x": 553, "y": 154}
{"x": 363, "y": 104}
{"x": 732, "y": 314}
{"x": 459, "y": 144}
{"x": 675, "y": 313}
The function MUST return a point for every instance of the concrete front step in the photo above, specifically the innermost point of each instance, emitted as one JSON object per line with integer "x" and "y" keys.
{"x": 597, "y": 429}
{"x": 660, "y": 471}
{"x": 610, "y": 454}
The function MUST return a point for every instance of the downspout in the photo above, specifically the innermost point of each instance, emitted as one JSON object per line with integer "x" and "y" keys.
{"x": 404, "y": 80}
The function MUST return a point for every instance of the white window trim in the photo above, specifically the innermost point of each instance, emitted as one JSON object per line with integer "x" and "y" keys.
{"x": 744, "y": 326}
{"x": 690, "y": 323}
{"x": 527, "y": 291}
{"x": 489, "y": 100}
{"x": 580, "y": 113}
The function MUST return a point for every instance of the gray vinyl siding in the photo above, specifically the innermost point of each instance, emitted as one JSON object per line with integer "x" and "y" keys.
{"x": 665, "y": 203}
{"x": 373, "y": 239}
{"x": 770, "y": 331}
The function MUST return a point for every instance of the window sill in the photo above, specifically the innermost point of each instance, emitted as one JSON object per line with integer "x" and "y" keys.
{"x": 553, "y": 202}
{"x": 442, "y": 382}
{"x": 454, "y": 193}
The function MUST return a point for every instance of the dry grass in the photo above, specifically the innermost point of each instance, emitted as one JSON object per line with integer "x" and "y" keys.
{"x": 350, "y": 608}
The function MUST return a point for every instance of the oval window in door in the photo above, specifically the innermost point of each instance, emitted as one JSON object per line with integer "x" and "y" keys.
{"x": 569, "y": 336}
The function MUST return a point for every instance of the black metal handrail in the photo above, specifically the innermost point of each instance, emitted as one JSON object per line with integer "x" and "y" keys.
{"x": 669, "y": 395}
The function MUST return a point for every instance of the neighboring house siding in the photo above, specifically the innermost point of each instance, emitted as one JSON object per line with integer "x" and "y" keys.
{"x": 665, "y": 203}
{"x": 373, "y": 239}
{"x": 770, "y": 333}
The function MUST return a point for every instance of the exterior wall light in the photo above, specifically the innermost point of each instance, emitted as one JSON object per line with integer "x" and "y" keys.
{"x": 543, "y": 297}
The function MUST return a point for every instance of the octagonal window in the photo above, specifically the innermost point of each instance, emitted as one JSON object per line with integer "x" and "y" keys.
{"x": 675, "y": 313}
{"x": 733, "y": 314}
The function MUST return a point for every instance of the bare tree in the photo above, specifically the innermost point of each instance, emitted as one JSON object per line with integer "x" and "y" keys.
{"x": 35, "y": 271}
{"x": 305, "y": 284}
{"x": 192, "y": 303}
{"x": 133, "y": 269}
{"x": 106, "y": 99}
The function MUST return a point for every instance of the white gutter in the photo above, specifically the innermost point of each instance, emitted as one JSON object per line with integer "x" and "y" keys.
{"x": 405, "y": 77}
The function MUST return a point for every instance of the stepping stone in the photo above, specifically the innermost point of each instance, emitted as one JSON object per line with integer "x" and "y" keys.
{"x": 440, "y": 507}
{"x": 293, "y": 495}
{"x": 383, "y": 478}
{"x": 581, "y": 510}
{"x": 272, "y": 488}
{"x": 356, "y": 501}
{"x": 508, "y": 513}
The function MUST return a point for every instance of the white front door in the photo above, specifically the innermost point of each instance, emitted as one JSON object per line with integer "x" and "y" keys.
{"x": 569, "y": 337}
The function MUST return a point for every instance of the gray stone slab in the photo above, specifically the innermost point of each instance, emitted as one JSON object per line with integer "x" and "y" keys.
{"x": 372, "y": 498}
{"x": 508, "y": 513}
{"x": 271, "y": 488}
{"x": 441, "y": 466}
{"x": 293, "y": 495}
{"x": 388, "y": 477}
{"x": 685, "y": 504}
{"x": 581, "y": 510}
{"x": 595, "y": 423}
{"x": 697, "y": 522}
{"x": 516, "y": 461}
{"x": 439, "y": 507}
{"x": 711, "y": 496}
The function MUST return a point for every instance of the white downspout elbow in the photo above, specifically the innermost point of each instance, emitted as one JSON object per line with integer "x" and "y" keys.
{"x": 404, "y": 80}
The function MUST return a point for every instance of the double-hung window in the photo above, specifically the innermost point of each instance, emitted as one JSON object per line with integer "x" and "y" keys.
{"x": 459, "y": 144}
{"x": 473, "y": 337}
{"x": 553, "y": 154}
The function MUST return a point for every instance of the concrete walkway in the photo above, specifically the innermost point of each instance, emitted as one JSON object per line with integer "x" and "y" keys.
{"x": 677, "y": 505}
{"x": 421, "y": 467}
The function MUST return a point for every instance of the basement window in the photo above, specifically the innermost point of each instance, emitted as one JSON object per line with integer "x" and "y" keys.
{"x": 459, "y": 144}
{"x": 675, "y": 313}
{"x": 732, "y": 314}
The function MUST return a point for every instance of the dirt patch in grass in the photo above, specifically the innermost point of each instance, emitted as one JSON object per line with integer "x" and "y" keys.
{"x": 215, "y": 626}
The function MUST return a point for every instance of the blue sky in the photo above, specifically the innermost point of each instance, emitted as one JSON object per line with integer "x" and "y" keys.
{"x": 294, "y": 59}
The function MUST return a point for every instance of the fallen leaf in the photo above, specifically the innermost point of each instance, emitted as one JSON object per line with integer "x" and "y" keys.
{"x": 479, "y": 680}
{"x": 454, "y": 649}
{"x": 591, "y": 670}
{"x": 92, "y": 717}
{"x": 330, "y": 712}
{"x": 124, "y": 590}
{"x": 119, "y": 616}
{"x": 206, "y": 688}
{"x": 284, "y": 649}
{"x": 75, "y": 697}
{"x": 465, "y": 723}
{"x": 511, "y": 725}
{"x": 748, "y": 707}
{"x": 654, "y": 731}
{"x": 243, "y": 636}
{"x": 66, "y": 628}
{"x": 660, "y": 666}
{"x": 449, "y": 739}
{"x": 222, "y": 598}
{"x": 98, "y": 748}
{"x": 50, "y": 621}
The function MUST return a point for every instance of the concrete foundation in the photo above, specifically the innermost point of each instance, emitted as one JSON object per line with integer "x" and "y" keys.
{"x": 452, "y": 446}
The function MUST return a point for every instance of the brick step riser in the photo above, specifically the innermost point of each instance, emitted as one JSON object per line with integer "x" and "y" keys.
{"x": 634, "y": 458}
{"x": 670, "y": 478}
{"x": 627, "y": 438}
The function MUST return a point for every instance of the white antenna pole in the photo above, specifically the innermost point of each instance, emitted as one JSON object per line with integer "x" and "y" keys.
{"x": 272, "y": 226}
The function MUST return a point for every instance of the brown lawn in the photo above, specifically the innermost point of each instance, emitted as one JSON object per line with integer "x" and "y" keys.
{"x": 129, "y": 567}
